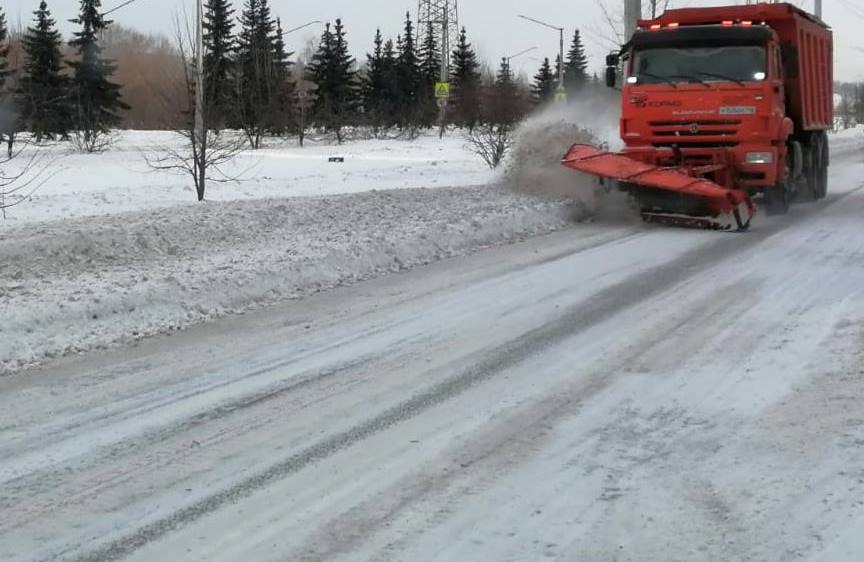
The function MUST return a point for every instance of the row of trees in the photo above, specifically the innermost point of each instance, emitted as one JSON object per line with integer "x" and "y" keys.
{"x": 850, "y": 110}
{"x": 250, "y": 86}
{"x": 52, "y": 96}
{"x": 62, "y": 90}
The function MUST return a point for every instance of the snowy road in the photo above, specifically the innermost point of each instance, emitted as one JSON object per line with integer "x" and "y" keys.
{"x": 602, "y": 393}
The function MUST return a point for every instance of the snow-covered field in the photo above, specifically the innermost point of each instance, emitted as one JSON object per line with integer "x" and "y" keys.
{"x": 120, "y": 179}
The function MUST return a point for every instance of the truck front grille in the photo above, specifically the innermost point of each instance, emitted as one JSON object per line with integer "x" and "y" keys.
{"x": 698, "y": 133}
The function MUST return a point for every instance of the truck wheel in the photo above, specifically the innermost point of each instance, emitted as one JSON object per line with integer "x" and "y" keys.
{"x": 777, "y": 200}
{"x": 821, "y": 191}
{"x": 817, "y": 172}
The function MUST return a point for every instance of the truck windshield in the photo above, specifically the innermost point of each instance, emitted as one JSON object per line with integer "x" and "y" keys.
{"x": 698, "y": 64}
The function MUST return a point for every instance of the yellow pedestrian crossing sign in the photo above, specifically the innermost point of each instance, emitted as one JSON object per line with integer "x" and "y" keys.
{"x": 442, "y": 90}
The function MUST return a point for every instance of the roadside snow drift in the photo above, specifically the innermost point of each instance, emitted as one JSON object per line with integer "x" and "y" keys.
{"x": 70, "y": 286}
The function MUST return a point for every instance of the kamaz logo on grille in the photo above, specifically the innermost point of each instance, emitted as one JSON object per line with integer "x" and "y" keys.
{"x": 694, "y": 129}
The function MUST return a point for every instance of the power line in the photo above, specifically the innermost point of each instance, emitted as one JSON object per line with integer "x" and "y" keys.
{"x": 123, "y": 5}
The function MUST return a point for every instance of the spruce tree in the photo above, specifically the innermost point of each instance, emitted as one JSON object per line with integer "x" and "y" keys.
{"x": 9, "y": 120}
{"x": 576, "y": 67}
{"x": 465, "y": 83}
{"x": 390, "y": 62}
{"x": 430, "y": 73}
{"x": 409, "y": 78}
{"x": 218, "y": 62}
{"x": 95, "y": 100}
{"x": 282, "y": 111}
{"x": 261, "y": 76}
{"x": 375, "y": 86}
{"x": 504, "y": 106}
{"x": 332, "y": 70}
{"x": 4, "y": 50}
{"x": 43, "y": 89}
{"x": 544, "y": 83}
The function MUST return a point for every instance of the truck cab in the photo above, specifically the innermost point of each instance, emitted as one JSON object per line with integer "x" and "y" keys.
{"x": 720, "y": 91}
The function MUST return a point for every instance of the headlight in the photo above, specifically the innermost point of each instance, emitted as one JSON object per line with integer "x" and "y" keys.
{"x": 759, "y": 158}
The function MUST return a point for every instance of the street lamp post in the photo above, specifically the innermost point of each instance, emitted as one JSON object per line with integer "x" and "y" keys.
{"x": 519, "y": 54}
{"x": 302, "y": 87}
{"x": 199, "y": 93}
{"x": 560, "y": 94}
{"x": 299, "y": 27}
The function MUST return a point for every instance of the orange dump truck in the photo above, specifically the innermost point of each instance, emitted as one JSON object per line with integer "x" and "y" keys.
{"x": 721, "y": 106}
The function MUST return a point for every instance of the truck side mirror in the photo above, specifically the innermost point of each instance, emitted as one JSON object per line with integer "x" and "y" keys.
{"x": 613, "y": 59}
{"x": 611, "y": 76}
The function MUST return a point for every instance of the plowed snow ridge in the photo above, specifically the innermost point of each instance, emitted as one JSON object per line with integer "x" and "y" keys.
{"x": 72, "y": 286}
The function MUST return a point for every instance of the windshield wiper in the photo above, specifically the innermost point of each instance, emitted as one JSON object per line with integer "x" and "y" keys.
{"x": 723, "y": 77}
{"x": 692, "y": 79}
{"x": 658, "y": 77}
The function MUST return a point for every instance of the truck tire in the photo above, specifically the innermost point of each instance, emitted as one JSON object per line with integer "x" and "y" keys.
{"x": 817, "y": 171}
{"x": 821, "y": 191}
{"x": 778, "y": 198}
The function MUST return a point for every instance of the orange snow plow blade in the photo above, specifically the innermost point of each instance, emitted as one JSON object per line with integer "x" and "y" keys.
{"x": 667, "y": 195}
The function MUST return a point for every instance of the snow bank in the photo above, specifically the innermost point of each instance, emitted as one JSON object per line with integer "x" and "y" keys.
{"x": 75, "y": 285}
{"x": 847, "y": 140}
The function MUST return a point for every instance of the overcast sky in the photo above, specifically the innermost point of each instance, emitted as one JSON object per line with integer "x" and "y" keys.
{"x": 492, "y": 24}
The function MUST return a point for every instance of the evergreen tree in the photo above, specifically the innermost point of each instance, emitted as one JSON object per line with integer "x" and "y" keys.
{"x": 504, "y": 107}
{"x": 544, "y": 83}
{"x": 392, "y": 91}
{"x": 96, "y": 101}
{"x": 408, "y": 77}
{"x": 4, "y": 50}
{"x": 576, "y": 67}
{"x": 465, "y": 83}
{"x": 263, "y": 102}
{"x": 218, "y": 63}
{"x": 283, "y": 109}
{"x": 43, "y": 89}
{"x": 430, "y": 73}
{"x": 332, "y": 69}
{"x": 9, "y": 121}
{"x": 377, "y": 87}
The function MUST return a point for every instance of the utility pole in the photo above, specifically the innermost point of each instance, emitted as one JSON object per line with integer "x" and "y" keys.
{"x": 445, "y": 71}
{"x": 303, "y": 87}
{"x": 818, "y": 9}
{"x": 200, "y": 132}
{"x": 560, "y": 92}
{"x": 442, "y": 18}
{"x": 632, "y": 15}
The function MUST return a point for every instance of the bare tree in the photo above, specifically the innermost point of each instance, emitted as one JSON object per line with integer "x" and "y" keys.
{"x": 20, "y": 181}
{"x": 506, "y": 102}
{"x": 491, "y": 142}
{"x": 203, "y": 159}
{"x": 613, "y": 17}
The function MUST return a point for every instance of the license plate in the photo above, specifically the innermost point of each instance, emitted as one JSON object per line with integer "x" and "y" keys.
{"x": 738, "y": 110}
